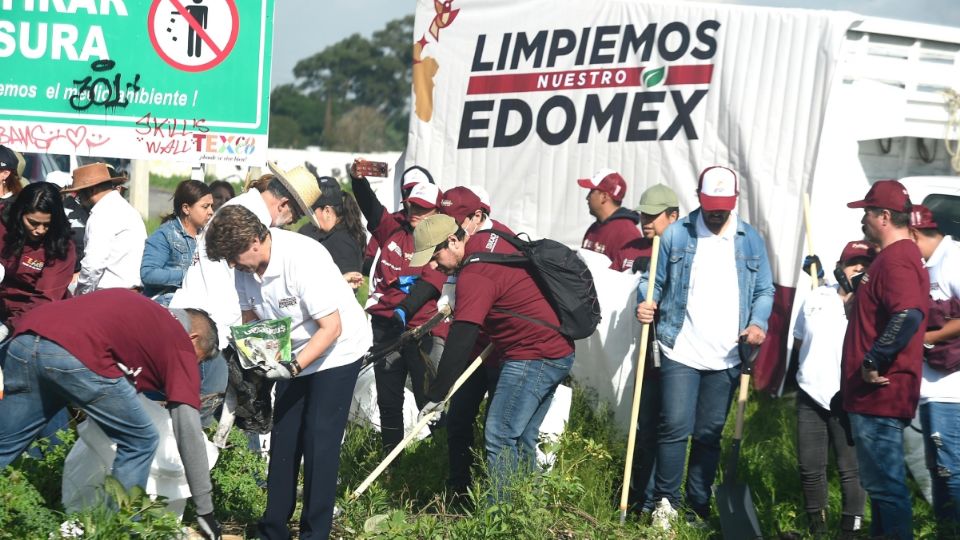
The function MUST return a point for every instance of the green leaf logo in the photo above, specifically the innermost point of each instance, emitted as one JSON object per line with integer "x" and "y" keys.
{"x": 654, "y": 77}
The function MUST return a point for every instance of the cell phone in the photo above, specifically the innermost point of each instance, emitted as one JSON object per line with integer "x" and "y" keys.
{"x": 363, "y": 167}
{"x": 842, "y": 280}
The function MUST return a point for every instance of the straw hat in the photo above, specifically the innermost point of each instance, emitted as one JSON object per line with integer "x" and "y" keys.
{"x": 92, "y": 175}
{"x": 302, "y": 184}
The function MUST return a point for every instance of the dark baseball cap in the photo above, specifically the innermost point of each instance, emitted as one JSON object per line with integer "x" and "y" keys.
{"x": 888, "y": 194}
{"x": 8, "y": 159}
{"x": 330, "y": 192}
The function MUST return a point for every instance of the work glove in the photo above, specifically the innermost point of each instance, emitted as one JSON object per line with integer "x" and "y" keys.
{"x": 405, "y": 282}
{"x": 209, "y": 527}
{"x": 280, "y": 371}
{"x": 433, "y": 410}
{"x": 400, "y": 318}
{"x": 813, "y": 259}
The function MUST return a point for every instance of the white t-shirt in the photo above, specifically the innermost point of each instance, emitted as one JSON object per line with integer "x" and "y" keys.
{"x": 113, "y": 246}
{"x": 302, "y": 282}
{"x": 944, "y": 268}
{"x": 821, "y": 325}
{"x": 711, "y": 325}
{"x": 209, "y": 285}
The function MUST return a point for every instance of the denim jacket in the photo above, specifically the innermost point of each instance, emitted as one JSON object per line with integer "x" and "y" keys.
{"x": 677, "y": 248}
{"x": 166, "y": 256}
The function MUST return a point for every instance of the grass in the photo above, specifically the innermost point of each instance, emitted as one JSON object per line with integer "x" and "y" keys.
{"x": 577, "y": 499}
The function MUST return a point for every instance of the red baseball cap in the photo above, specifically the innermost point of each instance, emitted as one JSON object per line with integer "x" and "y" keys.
{"x": 922, "y": 218}
{"x": 459, "y": 203}
{"x": 425, "y": 195}
{"x": 718, "y": 188}
{"x": 857, "y": 249}
{"x": 484, "y": 197}
{"x": 607, "y": 181}
{"x": 888, "y": 194}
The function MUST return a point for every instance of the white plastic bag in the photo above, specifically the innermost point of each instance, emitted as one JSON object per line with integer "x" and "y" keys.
{"x": 92, "y": 456}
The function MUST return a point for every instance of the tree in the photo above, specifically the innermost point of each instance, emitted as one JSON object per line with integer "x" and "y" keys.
{"x": 363, "y": 129}
{"x": 354, "y": 72}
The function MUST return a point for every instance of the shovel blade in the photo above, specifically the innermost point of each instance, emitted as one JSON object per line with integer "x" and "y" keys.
{"x": 738, "y": 515}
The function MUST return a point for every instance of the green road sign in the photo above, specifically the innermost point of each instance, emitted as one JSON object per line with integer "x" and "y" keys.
{"x": 184, "y": 80}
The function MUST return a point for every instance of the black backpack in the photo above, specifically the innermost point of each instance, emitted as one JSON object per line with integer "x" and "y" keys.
{"x": 562, "y": 276}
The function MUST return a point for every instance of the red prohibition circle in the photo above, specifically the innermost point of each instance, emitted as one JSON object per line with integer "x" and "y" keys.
{"x": 224, "y": 52}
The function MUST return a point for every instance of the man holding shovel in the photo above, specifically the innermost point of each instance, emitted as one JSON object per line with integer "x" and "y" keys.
{"x": 713, "y": 285}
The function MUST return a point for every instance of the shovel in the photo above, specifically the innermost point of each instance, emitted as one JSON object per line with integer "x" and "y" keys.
{"x": 738, "y": 515}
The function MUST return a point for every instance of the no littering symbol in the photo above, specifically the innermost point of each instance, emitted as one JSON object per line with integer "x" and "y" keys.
{"x": 193, "y": 35}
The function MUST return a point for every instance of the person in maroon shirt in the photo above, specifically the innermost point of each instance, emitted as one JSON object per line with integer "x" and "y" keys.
{"x": 96, "y": 352}
{"x": 615, "y": 226}
{"x": 38, "y": 256}
{"x": 392, "y": 281}
{"x": 507, "y": 304}
{"x": 883, "y": 355}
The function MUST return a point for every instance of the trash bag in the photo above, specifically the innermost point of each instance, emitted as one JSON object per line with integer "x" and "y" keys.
{"x": 254, "y": 408}
{"x": 91, "y": 458}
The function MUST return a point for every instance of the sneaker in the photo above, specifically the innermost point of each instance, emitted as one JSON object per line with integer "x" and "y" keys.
{"x": 663, "y": 514}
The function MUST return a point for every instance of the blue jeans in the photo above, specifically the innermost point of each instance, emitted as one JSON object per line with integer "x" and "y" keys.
{"x": 879, "y": 443}
{"x": 41, "y": 378}
{"x": 941, "y": 439}
{"x": 694, "y": 405}
{"x": 519, "y": 404}
{"x": 645, "y": 448}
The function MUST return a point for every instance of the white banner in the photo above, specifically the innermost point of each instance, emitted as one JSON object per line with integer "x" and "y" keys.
{"x": 523, "y": 98}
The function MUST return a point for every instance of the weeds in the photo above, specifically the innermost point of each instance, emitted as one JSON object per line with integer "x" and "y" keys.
{"x": 576, "y": 499}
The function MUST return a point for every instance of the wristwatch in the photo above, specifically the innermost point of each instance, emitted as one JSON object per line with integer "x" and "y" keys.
{"x": 869, "y": 364}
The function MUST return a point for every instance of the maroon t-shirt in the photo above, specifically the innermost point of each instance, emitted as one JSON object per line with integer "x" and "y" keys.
{"x": 896, "y": 281}
{"x": 485, "y": 288}
{"x": 32, "y": 280}
{"x": 117, "y": 325}
{"x": 395, "y": 238}
{"x": 611, "y": 235}
{"x": 638, "y": 247}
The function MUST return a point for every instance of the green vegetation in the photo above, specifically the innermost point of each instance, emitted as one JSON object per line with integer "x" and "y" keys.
{"x": 577, "y": 499}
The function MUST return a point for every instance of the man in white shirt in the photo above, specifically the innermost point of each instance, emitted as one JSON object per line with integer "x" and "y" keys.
{"x": 285, "y": 274}
{"x": 940, "y": 387}
{"x": 277, "y": 199}
{"x": 115, "y": 233}
{"x": 713, "y": 285}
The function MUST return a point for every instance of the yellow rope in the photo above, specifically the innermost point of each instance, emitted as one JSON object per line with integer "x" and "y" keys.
{"x": 952, "y": 98}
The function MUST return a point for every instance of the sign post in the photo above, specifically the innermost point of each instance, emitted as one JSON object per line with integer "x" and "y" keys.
{"x": 182, "y": 80}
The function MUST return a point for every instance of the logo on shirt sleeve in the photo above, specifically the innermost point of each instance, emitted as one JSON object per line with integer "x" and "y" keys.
{"x": 288, "y": 302}
{"x": 492, "y": 242}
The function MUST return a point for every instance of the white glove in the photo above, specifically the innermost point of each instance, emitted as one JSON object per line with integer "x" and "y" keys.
{"x": 448, "y": 295}
{"x": 279, "y": 372}
{"x": 433, "y": 410}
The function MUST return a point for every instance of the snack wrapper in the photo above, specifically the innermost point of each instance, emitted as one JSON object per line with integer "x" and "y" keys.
{"x": 262, "y": 343}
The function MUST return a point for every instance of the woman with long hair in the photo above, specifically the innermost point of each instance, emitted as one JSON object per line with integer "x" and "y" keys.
{"x": 37, "y": 254}
{"x": 341, "y": 231}
{"x": 170, "y": 249}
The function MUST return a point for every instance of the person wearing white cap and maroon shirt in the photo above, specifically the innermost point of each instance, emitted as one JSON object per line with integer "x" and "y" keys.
{"x": 615, "y": 226}
{"x": 507, "y": 304}
{"x": 883, "y": 354}
{"x": 821, "y": 423}
{"x": 392, "y": 281}
{"x": 713, "y": 284}
{"x": 940, "y": 387}
{"x": 286, "y": 274}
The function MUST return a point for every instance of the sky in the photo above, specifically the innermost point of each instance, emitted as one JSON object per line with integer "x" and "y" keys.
{"x": 305, "y": 27}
